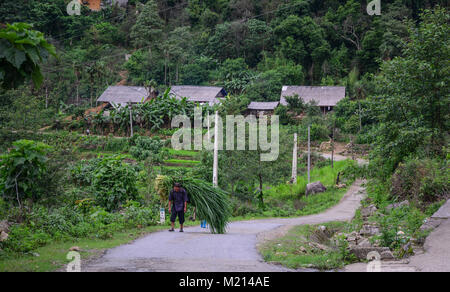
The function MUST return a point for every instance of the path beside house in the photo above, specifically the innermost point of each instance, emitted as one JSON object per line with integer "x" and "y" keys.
{"x": 196, "y": 250}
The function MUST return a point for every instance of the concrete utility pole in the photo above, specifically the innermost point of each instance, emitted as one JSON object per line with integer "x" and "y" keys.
{"x": 309, "y": 154}
{"x": 207, "y": 124}
{"x": 216, "y": 151}
{"x": 294, "y": 161}
{"x": 131, "y": 119}
{"x": 332, "y": 148}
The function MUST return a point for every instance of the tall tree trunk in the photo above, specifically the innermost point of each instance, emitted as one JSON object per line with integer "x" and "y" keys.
{"x": 165, "y": 69}
{"x": 46, "y": 97}
{"x": 261, "y": 197}
{"x": 360, "y": 120}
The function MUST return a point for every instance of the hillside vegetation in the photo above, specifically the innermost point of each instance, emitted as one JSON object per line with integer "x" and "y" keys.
{"x": 59, "y": 185}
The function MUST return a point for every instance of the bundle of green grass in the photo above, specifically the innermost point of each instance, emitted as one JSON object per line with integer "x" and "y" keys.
{"x": 212, "y": 204}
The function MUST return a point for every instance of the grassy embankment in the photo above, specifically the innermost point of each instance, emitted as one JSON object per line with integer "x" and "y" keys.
{"x": 301, "y": 248}
{"x": 293, "y": 195}
{"x": 52, "y": 256}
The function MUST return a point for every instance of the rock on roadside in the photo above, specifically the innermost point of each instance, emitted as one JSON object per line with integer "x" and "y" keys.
{"x": 3, "y": 236}
{"x": 4, "y": 226}
{"x": 315, "y": 188}
{"x": 368, "y": 211}
{"x": 397, "y": 205}
{"x": 362, "y": 252}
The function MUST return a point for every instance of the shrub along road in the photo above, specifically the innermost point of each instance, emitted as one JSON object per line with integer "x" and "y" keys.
{"x": 196, "y": 250}
{"x": 436, "y": 257}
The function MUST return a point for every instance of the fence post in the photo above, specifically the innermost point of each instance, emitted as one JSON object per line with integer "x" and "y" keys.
{"x": 309, "y": 154}
{"x": 216, "y": 151}
{"x": 131, "y": 120}
{"x": 294, "y": 161}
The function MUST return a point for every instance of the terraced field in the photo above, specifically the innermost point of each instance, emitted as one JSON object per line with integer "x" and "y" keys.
{"x": 182, "y": 159}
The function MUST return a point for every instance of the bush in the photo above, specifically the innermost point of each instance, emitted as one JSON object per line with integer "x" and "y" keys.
{"x": 21, "y": 168}
{"x": 347, "y": 115}
{"x": 319, "y": 132}
{"x": 111, "y": 181}
{"x": 242, "y": 208}
{"x": 282, "y": 112}
{"x": 116, "y": 144}
{"x": 355, "y": 171}
{"x": 43, "y": 225}
{"x": 3, "y": 208}
{"x": 22, "y": 239}
{"x": 146, "y": 147}
{"x": 424, "y": 181}
{"x": 399, "y": 226}
{"x": 138, "y": 216}
{"x": 82, "y": 172}
{"x": 114, "y": 183}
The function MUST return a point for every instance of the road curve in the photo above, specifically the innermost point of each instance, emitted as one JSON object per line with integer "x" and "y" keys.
{"x": 196, "y": 250}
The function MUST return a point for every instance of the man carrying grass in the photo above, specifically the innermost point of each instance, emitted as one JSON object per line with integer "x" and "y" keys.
{"x": 179, "y": 198}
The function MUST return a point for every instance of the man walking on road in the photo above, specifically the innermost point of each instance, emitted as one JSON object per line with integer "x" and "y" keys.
{"x": 179, "y": 198}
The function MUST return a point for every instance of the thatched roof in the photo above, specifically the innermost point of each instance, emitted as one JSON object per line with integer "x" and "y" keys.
{"x": 121, "y": 95}
{"x": 263, "y": 106}
{"x": 201, "y": 94}
{"x": 323, "y": 95}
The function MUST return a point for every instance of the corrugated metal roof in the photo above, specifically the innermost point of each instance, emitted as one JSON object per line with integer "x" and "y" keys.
{"x": 323, "y": 95}
{"x": 262, "y": 106}
{"x": 122, "y": 95}
{"x": 201, "y": 94}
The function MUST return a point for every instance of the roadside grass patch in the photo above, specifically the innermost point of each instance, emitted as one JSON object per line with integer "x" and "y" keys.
{"x": 300, "y": 248}
{"x": 181, "y": 161}
{"x": 326, "y": 175}
{"x": 52, "y": 257}
{"x": 320, "y": 202}
{"x": 182, "y": 153}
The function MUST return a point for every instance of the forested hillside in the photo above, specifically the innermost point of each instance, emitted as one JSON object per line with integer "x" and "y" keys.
{"x": 250, "y": 47}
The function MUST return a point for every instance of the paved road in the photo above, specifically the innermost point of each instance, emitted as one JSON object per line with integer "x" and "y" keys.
{"x": 196, "y": 250}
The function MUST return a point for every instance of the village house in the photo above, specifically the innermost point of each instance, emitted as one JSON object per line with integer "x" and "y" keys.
{"x": 262, "y": 108}
{"x": 210, "y": 95}
{"x": 326, "y": 97}
{"x": 120, "y": 96}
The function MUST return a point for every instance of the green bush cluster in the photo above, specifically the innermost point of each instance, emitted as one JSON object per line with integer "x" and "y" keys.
{"x": 424, "y": 183}
{"x": 145, "y": 147}
{"x": 111, "y": 181}
{"x": 421, "y": 180}
{"x": 21, "y": 168}
{"x": 43, "y": 225}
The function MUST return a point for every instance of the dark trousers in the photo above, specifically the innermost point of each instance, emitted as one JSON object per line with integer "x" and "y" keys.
{"x": 174, "y": 215}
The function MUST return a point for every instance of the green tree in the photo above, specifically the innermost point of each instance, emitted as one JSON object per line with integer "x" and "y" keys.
{"x": 257, "y": 41}
{"x": 20, "y": 170}
{"x": 302, "y": 41}
{"x": 22, "y": 50}
{"x": 148, "y": 28}
{"x": 412, "y": 102}
{"x": 179, "y": 47}
{"x": 114, "y": 183}
{"x": 348, "y": 23}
